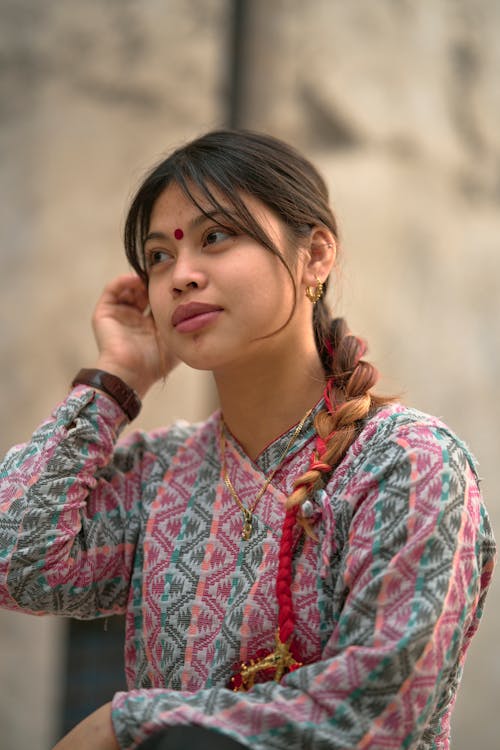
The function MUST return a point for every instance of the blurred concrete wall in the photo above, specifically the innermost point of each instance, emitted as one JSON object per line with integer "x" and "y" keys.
{"x": 398, "y": 103}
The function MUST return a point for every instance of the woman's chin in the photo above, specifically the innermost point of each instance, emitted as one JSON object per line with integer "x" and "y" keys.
{"x": 206, "y": 361}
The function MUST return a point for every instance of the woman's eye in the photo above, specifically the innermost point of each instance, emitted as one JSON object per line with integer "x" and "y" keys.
{"x": 214, "y": 236}
{"x": 156, "y": 256}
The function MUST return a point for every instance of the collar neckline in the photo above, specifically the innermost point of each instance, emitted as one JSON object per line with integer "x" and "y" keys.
{"x": 271, "y": 454}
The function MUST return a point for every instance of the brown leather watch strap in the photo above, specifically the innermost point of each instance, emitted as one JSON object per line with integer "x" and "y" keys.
{"x": 113, "y": 386}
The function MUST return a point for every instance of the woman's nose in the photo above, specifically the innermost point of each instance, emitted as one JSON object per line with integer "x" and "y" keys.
{"x": 188, "y": 274}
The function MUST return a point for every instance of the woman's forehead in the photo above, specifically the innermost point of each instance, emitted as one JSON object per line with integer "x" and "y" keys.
{"x": 191, "y": 199}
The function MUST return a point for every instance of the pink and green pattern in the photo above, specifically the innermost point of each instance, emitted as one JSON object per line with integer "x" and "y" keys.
{"x": 386, "y": 601}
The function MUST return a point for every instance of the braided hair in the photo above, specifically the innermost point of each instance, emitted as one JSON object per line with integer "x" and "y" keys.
{"x": 348, "y": 399}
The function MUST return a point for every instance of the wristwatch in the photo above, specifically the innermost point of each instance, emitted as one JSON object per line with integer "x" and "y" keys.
{"x": 125, "y": 396}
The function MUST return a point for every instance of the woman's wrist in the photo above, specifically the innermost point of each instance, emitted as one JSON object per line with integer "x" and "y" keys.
{"x": 113, "y": 386}
{"x": 133, "y": 378}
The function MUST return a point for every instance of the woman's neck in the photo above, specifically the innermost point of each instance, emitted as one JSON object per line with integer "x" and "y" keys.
{"x": 260, "y": 404}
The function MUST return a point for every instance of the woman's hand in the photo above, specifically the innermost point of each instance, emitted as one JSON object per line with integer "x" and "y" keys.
{"x": 126, "y": 335}
{"x": 93, "y": 733}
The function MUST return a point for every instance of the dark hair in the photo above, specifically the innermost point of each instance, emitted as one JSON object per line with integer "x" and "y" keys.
{"x": 229, "y": 164}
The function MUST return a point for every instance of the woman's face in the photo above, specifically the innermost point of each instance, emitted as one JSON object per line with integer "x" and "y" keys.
{"x": 215, "y": 294}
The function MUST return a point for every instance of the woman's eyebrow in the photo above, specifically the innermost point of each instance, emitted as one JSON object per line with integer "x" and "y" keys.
{"x": 193, "y": 224}
{"x": 217, "y": 213}
{"x": 156, "y": 236}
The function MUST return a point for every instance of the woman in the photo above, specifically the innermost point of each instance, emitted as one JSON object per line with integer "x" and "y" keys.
{"x": 304, "y": 569}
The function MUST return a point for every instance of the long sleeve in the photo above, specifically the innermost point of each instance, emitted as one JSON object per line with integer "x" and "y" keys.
{"x": 69, "y": 512}
{"x": 413, "y": 569}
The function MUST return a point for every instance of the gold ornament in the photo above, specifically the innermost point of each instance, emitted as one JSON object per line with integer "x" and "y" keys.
{"x": 279, "y": 662}
{"x": 314, "y": 293}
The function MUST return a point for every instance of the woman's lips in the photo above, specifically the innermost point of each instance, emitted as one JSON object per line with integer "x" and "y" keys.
{"x": 193, "y": 316}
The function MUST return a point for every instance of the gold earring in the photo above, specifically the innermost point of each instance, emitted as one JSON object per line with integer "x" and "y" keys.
{"x": 314, "y": 293}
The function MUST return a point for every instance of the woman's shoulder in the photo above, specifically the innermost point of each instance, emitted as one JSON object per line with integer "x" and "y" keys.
{"x": 408, "y": 426}
{"x": 177, "y": 436}
{"x": 397, "y": 432}
{"x": 406, "y": 460}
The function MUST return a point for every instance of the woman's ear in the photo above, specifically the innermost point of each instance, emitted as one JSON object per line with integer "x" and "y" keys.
{"x": 319, "y": 256}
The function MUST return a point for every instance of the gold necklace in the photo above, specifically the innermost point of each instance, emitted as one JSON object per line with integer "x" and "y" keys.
{"x": 246, "y": 530}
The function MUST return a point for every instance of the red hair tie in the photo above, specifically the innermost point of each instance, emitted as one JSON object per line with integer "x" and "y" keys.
{"x": 322, "y": 443}
{"x": 285, "y": 657}
{"x": 329, "y": 397}
{"x": 319, "y": 466}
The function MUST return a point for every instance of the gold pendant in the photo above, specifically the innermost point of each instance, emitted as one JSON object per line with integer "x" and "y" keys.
{"x": 246, "y": 531}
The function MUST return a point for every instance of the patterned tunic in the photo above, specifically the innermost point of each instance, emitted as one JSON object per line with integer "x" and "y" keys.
{"x": 387, "y": 597}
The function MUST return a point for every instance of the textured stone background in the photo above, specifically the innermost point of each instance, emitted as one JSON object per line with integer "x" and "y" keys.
{"x": 397, "y": 102}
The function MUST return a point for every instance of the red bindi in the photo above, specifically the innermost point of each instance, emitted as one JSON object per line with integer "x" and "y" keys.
{"x": 178, "y": 234}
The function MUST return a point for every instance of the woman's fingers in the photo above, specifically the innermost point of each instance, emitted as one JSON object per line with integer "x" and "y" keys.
{"x": 127, "y": 289}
